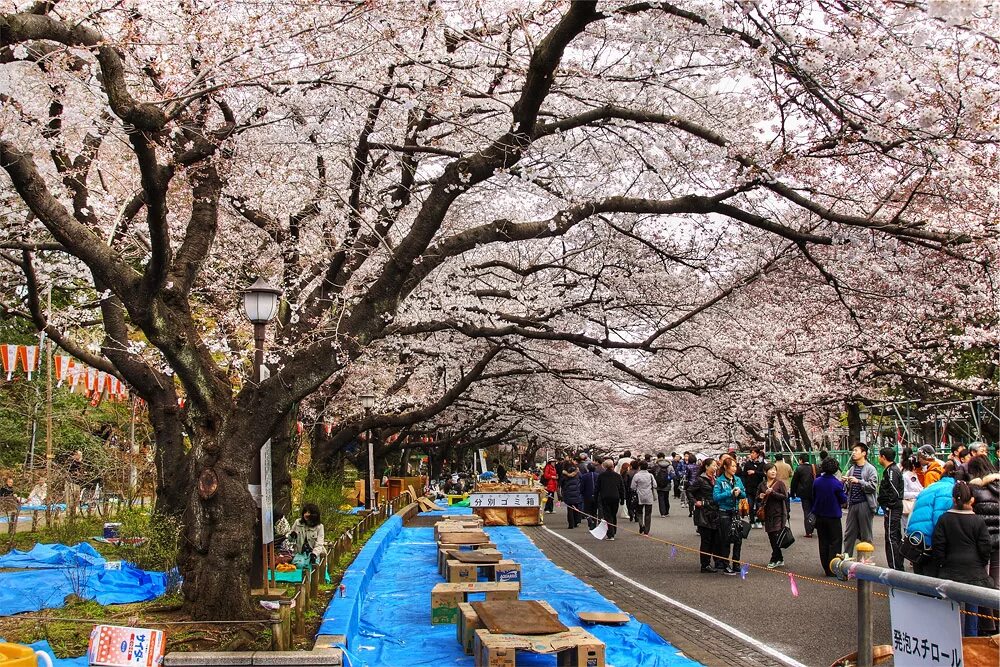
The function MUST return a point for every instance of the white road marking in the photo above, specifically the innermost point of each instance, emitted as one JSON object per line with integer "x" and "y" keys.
{"x": 769, "y": 650}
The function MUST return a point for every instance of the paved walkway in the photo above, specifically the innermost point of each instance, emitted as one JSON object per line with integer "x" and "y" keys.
{"x": 814, "y": 628}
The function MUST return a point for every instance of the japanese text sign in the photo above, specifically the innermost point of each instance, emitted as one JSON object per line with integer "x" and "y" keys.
{"x": 114, "y": 646}
{"x": 503, "y": 500}
{"x": 925, "y": 630}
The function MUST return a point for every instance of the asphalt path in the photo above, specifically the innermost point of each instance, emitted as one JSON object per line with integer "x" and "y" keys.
{"x": 815, "y": 627}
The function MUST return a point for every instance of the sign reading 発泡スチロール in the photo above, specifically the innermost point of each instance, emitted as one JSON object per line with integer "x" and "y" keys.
{"x": 503, "y": 500}
{"x": 925, "y": 631}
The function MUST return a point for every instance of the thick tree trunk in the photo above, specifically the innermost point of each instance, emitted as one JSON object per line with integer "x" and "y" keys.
{"x": 854, "y": 424}
{"x": 218, "y": 528}
{"x": 173, "y": 481}
{"x": 284, "y": 449}
{"x": 799, "y": 423}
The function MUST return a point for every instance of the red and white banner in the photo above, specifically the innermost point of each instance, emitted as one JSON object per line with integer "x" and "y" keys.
{"x": 9, "y": 353}
{"x": 63, "y": 366}
{"x": 28, "y": 354}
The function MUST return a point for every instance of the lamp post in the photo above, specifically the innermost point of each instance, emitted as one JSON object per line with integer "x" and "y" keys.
{"x": 368, "y": 402}
{"x": 260, "y": 305}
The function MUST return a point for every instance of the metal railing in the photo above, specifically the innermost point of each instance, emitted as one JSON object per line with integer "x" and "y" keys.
{"x": 867, "y": 574}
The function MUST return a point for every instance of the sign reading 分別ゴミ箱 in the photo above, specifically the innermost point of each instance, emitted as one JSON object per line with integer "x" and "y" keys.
{"x": 925, "y": 631}
{"x": 503, "y": 500}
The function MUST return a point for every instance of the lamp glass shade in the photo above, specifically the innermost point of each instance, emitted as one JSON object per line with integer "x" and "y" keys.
{"x": 260, "y": 302}
{"x": 367, "y": 401}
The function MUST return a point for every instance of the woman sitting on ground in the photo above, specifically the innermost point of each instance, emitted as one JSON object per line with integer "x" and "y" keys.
{"x": 308, "y": 535}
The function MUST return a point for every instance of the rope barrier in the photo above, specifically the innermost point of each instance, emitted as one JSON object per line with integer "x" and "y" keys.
{"x": 787, "y": 573}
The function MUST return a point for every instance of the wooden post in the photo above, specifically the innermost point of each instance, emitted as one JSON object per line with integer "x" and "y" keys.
{"x": 301, "y": 605}
{"x": 305, "y": 586}
{"x": 317, "y": 573}
{"x": 277, "y": 633}
{"x": 285, "y": 609}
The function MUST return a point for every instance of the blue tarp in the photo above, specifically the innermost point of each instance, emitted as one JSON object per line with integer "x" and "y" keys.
{"x": 395, "y": 627}
{"x": 57, "y": 662}
{"x": 44, "y": 556}
{"x": 57, "y": 570}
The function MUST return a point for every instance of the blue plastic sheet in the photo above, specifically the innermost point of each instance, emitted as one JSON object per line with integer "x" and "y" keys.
{"x": 395, "y": 627}
{"x": 43, "y": 556}
{"x": 57, "y": 570}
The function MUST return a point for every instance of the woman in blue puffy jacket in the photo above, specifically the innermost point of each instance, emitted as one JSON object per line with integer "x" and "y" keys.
{"x": 930, "y": 505}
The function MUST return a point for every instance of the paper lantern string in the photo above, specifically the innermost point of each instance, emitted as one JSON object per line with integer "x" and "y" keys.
{"x": 744, "y": 570}
{"x": 795, "y": 587}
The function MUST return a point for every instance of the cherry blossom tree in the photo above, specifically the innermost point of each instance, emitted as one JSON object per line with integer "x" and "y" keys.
{"x": 596, "y": 176}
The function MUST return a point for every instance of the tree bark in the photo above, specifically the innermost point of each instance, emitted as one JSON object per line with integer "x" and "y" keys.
{"x": 853, "y": 424}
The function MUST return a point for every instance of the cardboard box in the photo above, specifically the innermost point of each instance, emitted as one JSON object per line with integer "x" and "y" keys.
{"x": 115, "y": 646}
{"x": 507, "y": 571}
{"x": 445, "y": 598}
{"x": 465, "y": 629}
{"x": 577, "y": 647}
{"x": 461, "y": 572}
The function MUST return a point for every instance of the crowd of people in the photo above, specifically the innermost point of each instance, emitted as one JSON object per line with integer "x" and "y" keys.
{"x": 942, "y": 517}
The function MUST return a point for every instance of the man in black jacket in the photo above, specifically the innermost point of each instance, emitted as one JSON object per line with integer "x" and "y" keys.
{"x": 890, "y": 498}
{"x": 610, "y": 492}
{"x": 802, "y": 487}
{"x": 753, "y": 475}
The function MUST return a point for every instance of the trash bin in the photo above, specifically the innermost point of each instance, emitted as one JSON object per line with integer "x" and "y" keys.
{"x": 18, "y": 655}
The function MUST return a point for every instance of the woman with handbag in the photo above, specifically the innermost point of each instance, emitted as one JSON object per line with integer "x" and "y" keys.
{"x": 706, "y": 515}
{"x": 772, "y": 494}
{"x": 828, "y": 499}
{"x": 727, "y": 493}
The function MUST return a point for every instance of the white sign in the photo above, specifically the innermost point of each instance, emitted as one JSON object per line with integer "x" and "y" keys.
{"x": 503, "y": 500}
{"x": 266, "y": 493}
{"x": 600, "y": 531}
{"x": 925, "y": 630}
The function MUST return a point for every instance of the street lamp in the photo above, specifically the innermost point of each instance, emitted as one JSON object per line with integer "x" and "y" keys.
{"x": 260, "y": 305}
{"x": 368, "y": 402}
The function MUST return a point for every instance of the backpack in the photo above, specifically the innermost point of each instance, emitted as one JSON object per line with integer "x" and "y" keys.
{"x": 662, "y": 476}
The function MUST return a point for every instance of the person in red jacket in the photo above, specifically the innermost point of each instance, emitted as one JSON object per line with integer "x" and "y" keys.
{"x": 550, "y": 480}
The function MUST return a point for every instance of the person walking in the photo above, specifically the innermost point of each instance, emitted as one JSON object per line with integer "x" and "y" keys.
{"x": 727, "y": 493}
{"x": 663, "y": 473}
{"x": 861, "y": 484}
{"x": 693, "y": 471}
{"x": 985, "y": 485}
{"x": 631, "y": 500}
{"x": 802, "y": 488}
{"x": 911, "y": 483}
{"x": 645, "y": 488}
{"x": 890, "y": 499}
{"x": 960, "y": 547}
{"x": 588, "y": 486}
{"x": 752, "y": 474}
{"x": 772, "y": 495}
{"x": 706, "y": 515}
{"x": 931, "y": 470}
{"x": 550, "y": 480}
{"x": 828, "y": 498}
{"x": 610, "y": 494}
{"x": 572, "y": 493}
{"x": 680, "y": 474}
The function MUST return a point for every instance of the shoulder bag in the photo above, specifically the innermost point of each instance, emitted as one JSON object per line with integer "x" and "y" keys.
{"x": 739, "y": 529}
{"x": 785, "y": 538}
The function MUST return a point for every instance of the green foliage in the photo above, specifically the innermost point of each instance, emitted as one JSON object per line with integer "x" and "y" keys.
{"x": 328, "y": 494}
{"x": 160, "y": 548}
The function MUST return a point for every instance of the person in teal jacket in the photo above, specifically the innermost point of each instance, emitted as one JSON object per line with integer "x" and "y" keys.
{"x": 727, "y": 493}
{"x": 929, "y": 506}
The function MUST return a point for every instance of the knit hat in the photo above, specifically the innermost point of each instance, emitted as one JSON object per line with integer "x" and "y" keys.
{"x": 926, "y": 451}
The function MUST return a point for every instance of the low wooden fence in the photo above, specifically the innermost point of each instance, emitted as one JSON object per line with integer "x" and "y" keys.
{"x": 290, "y": 619}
